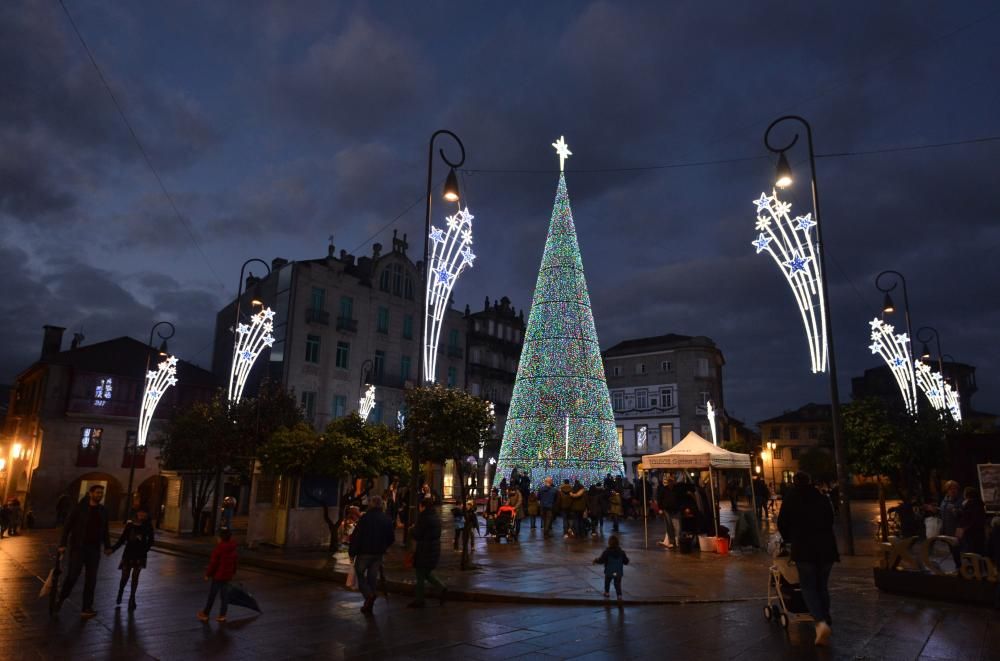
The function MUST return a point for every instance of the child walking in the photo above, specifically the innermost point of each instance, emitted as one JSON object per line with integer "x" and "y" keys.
{"x": 614, "y": 560}
{"x": 137, "y": 537}
{"x": 221, "y": 568}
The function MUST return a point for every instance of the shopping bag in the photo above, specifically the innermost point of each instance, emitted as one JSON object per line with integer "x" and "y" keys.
{"x": 352, "y": 578}
{"x": 932, "y": 526}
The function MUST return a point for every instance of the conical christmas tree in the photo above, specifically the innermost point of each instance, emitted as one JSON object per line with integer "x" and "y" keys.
{"x": 560, "y": 422}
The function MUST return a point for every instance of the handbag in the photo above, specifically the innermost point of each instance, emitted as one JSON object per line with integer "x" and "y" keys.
{"x": 932, "y": 526}
{"x": 352, "y": 578}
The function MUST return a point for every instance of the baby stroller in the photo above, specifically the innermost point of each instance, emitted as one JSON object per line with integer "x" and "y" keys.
{"x": 784, "y": 596}
{"x": 503, "y": 524}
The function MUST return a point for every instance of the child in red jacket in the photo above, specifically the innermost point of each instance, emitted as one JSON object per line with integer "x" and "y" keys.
{"x": 221, "y": 568}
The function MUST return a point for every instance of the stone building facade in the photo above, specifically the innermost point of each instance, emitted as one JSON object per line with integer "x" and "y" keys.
{"x": 660, "y": 387}
{"x": 793, "y": 433}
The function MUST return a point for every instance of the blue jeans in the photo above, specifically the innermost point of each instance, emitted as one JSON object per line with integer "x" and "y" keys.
{"x": 222, "y": 589}
{"x": 814, "y": 579}
{"x": 367, "y": 567}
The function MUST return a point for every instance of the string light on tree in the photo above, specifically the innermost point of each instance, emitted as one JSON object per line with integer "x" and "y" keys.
{"x": 451, "y": 253}
{"x": 157, "y": 383}
{"x": 895, "y": 351}
{"x": 251, "y": 339}
{"x": 366, "y": 403}
{"x": 560, "y": 421}
{"x": 790, "y": 243}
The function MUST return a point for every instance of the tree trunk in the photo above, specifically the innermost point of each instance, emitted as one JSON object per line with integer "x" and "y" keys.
{"x": 883, "y": 522}
{"x": 199, "y": 498}
{"x": 460, "y": 467}
{"x": 334, "y": 540}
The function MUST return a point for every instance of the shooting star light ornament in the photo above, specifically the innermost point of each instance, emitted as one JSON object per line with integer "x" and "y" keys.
{"x": 251, "y": 339}
{"x": 941, "y": 395}
{"x": 791, "y": 244}
{"x": 895, "y": 351}
{"x": 157, "y": 383}
{"x": 451, "y": 253}
{"x": 710, "y": 412}
{"x": 366, "y": 404}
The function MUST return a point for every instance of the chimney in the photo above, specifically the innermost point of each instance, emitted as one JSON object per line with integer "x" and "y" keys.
{"x": 52, "y": 340}
{"x": 376, "y": 250}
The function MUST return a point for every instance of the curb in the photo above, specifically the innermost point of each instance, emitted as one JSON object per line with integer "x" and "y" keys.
{"x": 481, "y": 596}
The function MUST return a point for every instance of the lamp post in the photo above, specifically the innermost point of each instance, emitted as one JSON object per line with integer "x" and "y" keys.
{"x": 771, "y": 447}
{"x": 450, "y": 193}
{"x": 235, "y": 393}
{"x": 784, "y": 179}
{"x": 889, "y": 307}
{"x": 924, "y": 335}
{"x": 135, "y": 444}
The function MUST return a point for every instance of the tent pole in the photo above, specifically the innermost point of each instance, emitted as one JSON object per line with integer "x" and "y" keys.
{"x": 753, "y": 499}
{"x": 711, "y": 491}
{"x": 645, "y": 511}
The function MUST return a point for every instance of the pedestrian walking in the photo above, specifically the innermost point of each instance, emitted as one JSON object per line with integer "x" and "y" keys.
{"x": 614, "y": 560}
{"x": 427, "y": 535}
{"x": 547, "y": 496}
{"x": 565, "y": 504}
{"x": 596, "y": 500}
{"x": 533, "y": 508}
{"x": 578, "y": 506}
{"x": 372, "y": 537}
{"x": 221, "y": 569}
{"x": 137, "y": 537}
{"x": 615, "y": 509}
{"x": 761, "y": 496}
{"x": 971, "y": 530}
{"x": 85, "y": 532}
{"x": 806, "y": 521}
{"x": 14, "y": 518}
{"x": 458, "y": 522}
{"x": 228, "y": 510}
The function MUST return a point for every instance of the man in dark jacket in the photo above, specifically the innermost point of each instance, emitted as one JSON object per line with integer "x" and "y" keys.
{"x": 372, "y": 536}
{"x": 761, "y": 496}
{"x": 547, "y": 500}
{"x": 667, "y": 500}
{"x": 86, "y": 530}
{"x": 427, "y": 535}
{"x": 806, "y": 521}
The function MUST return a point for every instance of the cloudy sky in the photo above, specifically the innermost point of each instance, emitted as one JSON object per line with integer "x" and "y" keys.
{"x": 275, "y": 125}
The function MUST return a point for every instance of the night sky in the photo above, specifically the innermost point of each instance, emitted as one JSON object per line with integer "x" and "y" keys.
{"x": 276, "y": 125}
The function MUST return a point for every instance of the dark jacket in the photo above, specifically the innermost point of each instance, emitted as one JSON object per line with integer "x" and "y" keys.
{"x": 76, "y": 526}
{"x": 972, "y": 523}
{"x": 564, "y": 500}
{"x": 579, "y": 499}
{"x": 667, "y": 499}
{"x": 614, "y": 561}
{"x": 222, "y": 564}
{"x": 806, "y": 522}
{"x": 547, "y": 496}
{"x": 427, "y": 535}
{"x": 373, "y": 534}
{"x": 137, "y": 539}
{"x": 596, "y": 501}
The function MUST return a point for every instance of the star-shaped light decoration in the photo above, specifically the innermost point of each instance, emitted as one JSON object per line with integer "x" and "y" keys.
{"x": 804, "y": 222}
{"x": 436, "y": 235}
{"x": 443, "y": 276}
{"x": 794, "y": 251}
{"x": 247, "y": 348}
{"x": 563, "y": 150}
{"x": 797, "y": 262}
{"x": 895, "y": 351}
{"x": 242, "y": 329}
{"x": 157, "y": 383}
{"x": 761, "y": 242}
{"x": 467, "y": 257}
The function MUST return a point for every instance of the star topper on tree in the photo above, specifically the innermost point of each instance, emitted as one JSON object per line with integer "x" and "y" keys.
{"x": 791, "y": 244}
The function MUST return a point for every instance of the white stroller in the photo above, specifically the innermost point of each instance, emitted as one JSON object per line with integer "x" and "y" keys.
{"x": 784, "y": 596}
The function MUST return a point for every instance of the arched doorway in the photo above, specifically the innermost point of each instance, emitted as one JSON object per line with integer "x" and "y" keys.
{"x": 150, "y": 496}
{"x": 113, "y": 496}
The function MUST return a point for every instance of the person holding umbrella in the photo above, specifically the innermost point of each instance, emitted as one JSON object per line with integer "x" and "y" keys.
{"x": 221, "y": 569}
{"x": 85, "y": 532}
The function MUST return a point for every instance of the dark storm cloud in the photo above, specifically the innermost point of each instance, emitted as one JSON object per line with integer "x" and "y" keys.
{"x": 327, "y": 108}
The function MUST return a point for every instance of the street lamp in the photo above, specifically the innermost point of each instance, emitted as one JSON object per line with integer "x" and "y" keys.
{"x": 784, "y": 179}
{"x": 924, "y": 335}
{"x": 149, "y": 403}
{"x": 248, "y": 343}
{"x": 889, "y": 307}
{"x": 771, "y": 447}
{"x": 451, "y": 194}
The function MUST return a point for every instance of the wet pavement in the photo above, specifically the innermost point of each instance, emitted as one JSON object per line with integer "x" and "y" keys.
{"x": 307, "y": 618}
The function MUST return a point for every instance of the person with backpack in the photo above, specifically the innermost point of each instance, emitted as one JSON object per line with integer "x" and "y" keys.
{"x": 221, "y": 569}
{"x": 614, "y": 560}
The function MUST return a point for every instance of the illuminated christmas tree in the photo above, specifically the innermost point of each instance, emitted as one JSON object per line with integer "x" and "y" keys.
{"x": 560, "y": 421}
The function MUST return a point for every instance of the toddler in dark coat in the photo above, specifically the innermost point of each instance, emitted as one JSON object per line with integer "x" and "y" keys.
{"x": 614, "y": 560}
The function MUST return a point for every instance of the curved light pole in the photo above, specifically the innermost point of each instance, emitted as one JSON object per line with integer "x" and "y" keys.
{"x": 450, "y": 194}
{"x": 889, "y": 307}
{"x": 948, "y": 395}
{"x": 924, "y": 335}
{"x": 784, "y": 179}
{"x": 156, "y": 384}
{"x": 248, "y": 342}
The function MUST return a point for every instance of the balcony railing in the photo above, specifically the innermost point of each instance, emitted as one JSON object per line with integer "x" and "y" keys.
{"x": 314, "y": 316}
{"x": 345, "y": 324}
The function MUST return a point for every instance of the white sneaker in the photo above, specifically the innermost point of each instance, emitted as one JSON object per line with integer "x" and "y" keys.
{"x": 823, "y": 632}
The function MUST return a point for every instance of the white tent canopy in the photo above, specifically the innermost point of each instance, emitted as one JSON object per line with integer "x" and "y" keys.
{"x": 695, "y": 452}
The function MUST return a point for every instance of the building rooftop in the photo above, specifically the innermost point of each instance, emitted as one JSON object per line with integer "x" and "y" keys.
{"x": 658, "y": 343}
{"x": 811, "y": 412}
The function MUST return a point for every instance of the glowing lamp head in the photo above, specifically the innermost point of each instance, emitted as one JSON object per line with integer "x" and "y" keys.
{"x": 783, "y": 173}
{"x": 16, "y": 450}
{"x": 163, "y": 348}
{"x": 925, "y": 353}
{"x": 451, "y": 187}
{"x": 3, "y": 464}
{"x": 887, "y": 305}
{"x": 256, "y": 302}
